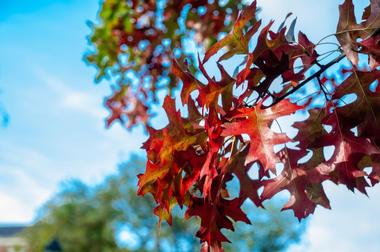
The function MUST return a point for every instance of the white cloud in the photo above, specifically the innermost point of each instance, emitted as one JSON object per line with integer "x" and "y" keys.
{"x": 66, "y": 139}
{"x": 26, "y": 182}
{"x": 70, "y": 98}
{"x": 350, "y": 226}
{"x": 20, "y": 194}
{"x": 13, "y": 210}
{"x": 90, "y": 104}
{"x": 57, "y": 118}
{"x": 29, "y": 177}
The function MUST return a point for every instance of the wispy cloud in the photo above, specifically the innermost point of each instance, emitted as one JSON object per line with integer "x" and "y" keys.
{"x": 350, "y": 226}
{"x": 70, "y": 98}
{"x": 90, "y": 104}
{"x": 21, "y": 189}
{"x": 65, "y": 139}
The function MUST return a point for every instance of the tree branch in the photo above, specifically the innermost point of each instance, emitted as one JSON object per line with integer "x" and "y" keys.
{"x": 310, "y": 78}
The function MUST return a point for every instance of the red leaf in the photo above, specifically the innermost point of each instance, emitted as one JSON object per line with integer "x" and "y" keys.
{"x": 349, "y": 31}
{"x": 215, "y": 216}
{"x": 189, "y": 82}
{"x": 248, "y": 187}
{"x": 167, "y": 176}
{"x": 236, "y": 40}
{"x": 256, "y": 122}
{"x": 302, "y": 181}
{"x": 347, "y": 22}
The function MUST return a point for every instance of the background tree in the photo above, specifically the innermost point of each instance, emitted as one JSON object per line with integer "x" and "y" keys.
{"x": 235, "y": 119}
{"x": 85, "y": 218}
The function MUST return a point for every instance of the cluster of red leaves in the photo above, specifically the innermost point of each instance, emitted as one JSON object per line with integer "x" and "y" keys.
{"x": 228, "y": 125}
{"x": 139, "y": 37}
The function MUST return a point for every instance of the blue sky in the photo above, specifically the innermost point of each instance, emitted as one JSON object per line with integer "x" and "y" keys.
{"x": 56, "y": 129}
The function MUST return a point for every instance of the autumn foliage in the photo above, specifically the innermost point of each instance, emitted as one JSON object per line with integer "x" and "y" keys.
{"x": 140, "y": 37}
{"x": 231, "y": 125}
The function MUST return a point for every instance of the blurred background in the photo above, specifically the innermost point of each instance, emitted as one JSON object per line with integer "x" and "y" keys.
{"x": 67, "y": 183}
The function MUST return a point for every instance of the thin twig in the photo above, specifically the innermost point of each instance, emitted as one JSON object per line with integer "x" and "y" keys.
{"x": 303, "y": 83}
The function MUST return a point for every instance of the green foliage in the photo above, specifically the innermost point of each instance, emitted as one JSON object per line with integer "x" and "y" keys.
{"x": 85, "y": 218}
{"x": 79, "y": 218}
